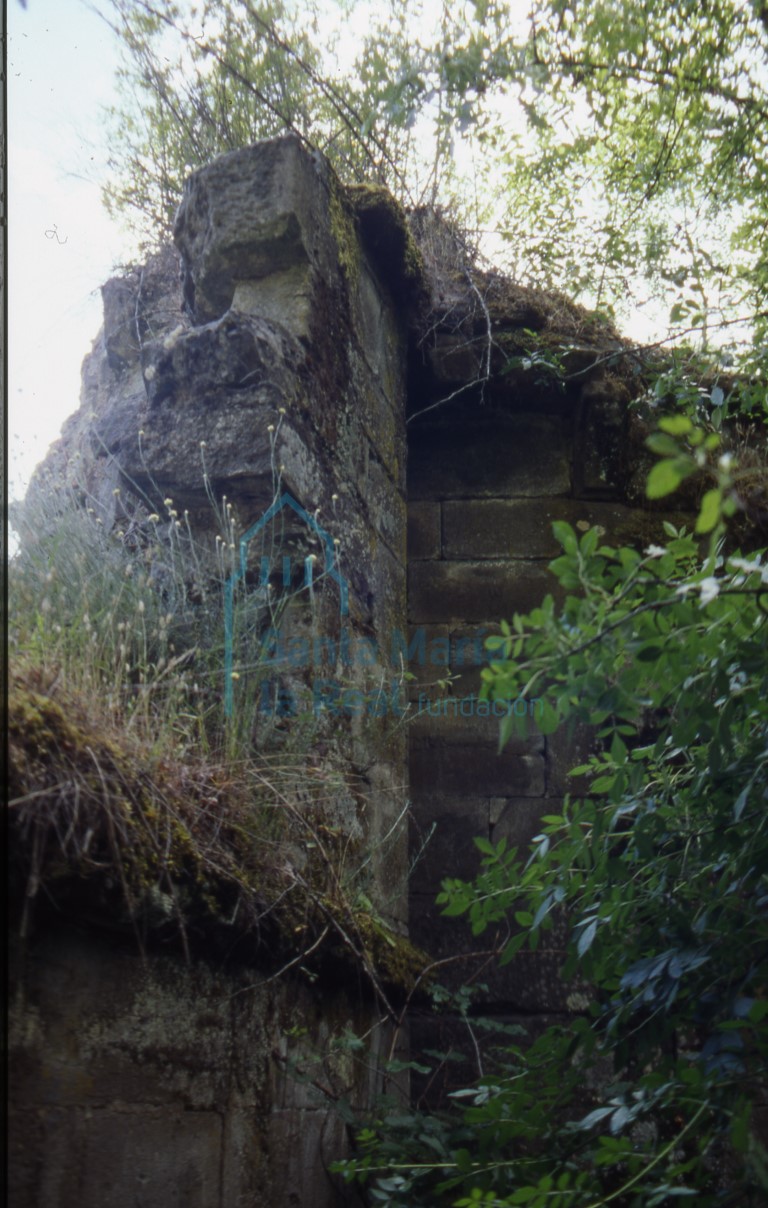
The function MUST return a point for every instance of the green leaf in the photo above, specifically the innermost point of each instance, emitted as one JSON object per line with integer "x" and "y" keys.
{"x": 485, "y": 846}
{"x": 524, "y": 1195}
{"x": 740, "y": 802}
{"x": 602, "y": 784}
{"x": 586, "y": 938}
{"x": 618, "y": 750}
{"x": 565, "y": 535}
{"x": 649, "y": 654}
{"x": 709, "y": 512}
{"x": 547, "y": 719}
{"x": 663, "y": 444}
{"x": 676, "y": 425}
{"x": 664, "y": 478}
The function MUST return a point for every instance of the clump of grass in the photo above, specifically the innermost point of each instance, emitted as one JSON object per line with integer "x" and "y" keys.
{"x": 185, "y": 848}
{"x": 132, "y": 614}
{"x": 131, "y": 790}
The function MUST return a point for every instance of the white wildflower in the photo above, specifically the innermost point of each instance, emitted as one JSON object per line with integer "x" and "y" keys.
{"x": 173, "y": 338}
{"x": 655, "y": 551}
{"x": 745, "y": 564}
{"x": 709, "y": 589}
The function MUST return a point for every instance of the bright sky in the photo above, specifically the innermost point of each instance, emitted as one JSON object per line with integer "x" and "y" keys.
{"x": 62, "y": 245}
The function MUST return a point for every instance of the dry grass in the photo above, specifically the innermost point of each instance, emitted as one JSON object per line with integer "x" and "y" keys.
{"x": 185, "y": 851}
{"x": 134, "y": 800}
{"x": 189, "y": 851}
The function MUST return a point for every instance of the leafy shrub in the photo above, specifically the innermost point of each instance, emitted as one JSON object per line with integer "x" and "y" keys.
{"x": 657, "y": 869}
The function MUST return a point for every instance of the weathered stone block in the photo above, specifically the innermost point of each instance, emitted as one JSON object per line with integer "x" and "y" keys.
{"x": 601, "y": 438}
{"x": 450, "y": 940}
{"x": 532, "y": 980}
{"x": 382, "y": 422}
{"x": 151, "y": 1157}
{"x": 457, "y": 358}
{"x": 386, "y": 507}
{"x": 423, "y": 530}
{"x": 448, "y": 1033}
{"x": 439, "y": 650}
{"x": 119, "y": 297}
{"x": 251, "y": 214}
{"x": 380, "y": 328}
{"x": 444, "y": 840}
{"x": 518, "y": 819}
{"x": 530, "y": 983}
{"x": 452, "y": 719}
{"x": 387, "y": 794}
{"x": 498, "y": 455}
{"x": 517, "y": 528}
{"x": 565, "y": 752}
{"x": 388, "y": 592}
{"x": 456, "y": 592}
{"x": 464, "y": 769}
{"x": 147, "y": 1081}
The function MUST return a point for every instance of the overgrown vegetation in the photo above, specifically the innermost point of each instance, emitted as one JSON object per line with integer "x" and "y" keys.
{"x": 133, "y": 794}
{"x": 655, "y": 871}
{"x": 620, "y": 153}
{"x": 616, "y": 151}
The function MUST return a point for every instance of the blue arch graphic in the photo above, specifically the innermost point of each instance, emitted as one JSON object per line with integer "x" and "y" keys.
{"x": 331, "y": 569}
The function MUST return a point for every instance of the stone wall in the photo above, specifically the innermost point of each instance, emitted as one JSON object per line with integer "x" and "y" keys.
{"x": 303, "y": 353}
{"x": 189, "y": 1086}
{"x": 273, "y": 369}
{"x": 486, "y": 479}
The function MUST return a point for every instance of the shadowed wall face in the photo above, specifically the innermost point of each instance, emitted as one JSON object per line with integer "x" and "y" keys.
{"x": 486, "y": 480}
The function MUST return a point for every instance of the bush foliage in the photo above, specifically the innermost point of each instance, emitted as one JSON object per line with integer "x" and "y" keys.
{"x": 656, "y": 871}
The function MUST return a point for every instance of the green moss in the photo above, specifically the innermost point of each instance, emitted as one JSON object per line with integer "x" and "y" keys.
{"x": 100, "y": 823}
{"x": 387, "y": 239}
{"x": 342, "y": 225}
{"x": 398, "y": 962}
